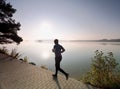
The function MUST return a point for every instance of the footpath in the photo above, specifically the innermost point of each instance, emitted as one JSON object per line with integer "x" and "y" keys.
{"x": 15, "y": 74}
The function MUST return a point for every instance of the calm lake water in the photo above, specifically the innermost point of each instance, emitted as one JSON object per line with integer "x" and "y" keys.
{"x": 76, "y": 59}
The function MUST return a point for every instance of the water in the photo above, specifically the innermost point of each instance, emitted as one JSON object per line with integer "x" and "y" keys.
{"x": 76, "y": 59}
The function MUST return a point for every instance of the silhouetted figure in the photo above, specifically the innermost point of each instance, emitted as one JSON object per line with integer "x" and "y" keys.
{"x": 58, "y": 49}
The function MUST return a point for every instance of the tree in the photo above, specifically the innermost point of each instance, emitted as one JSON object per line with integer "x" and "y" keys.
{"x": 8, "y": 25}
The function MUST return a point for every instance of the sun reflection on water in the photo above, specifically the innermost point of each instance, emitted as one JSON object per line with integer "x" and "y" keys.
{"x": 45, "y": 55}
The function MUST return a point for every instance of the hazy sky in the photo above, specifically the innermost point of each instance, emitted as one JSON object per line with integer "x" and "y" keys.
{"x": 68, "y": 19}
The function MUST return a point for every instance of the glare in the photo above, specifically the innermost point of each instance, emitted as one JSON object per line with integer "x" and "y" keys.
{"x": 45, "y": 25}
{"x": 45, "y": 30}
{"x": 45, "y": 55}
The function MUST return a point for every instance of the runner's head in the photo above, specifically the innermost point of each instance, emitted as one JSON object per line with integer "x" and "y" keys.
{"x": 56, "y": 41}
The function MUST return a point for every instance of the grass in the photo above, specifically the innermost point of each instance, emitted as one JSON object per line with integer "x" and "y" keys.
{"x": 4, "y": 50}
{"x": 25, "y": 59}
{"x": 14, "y": 54}
{"x": 104, "y": 73}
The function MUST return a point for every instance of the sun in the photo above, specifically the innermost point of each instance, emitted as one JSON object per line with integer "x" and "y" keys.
{"x": 45, "y": 25}
{"x": 45, "y": 30}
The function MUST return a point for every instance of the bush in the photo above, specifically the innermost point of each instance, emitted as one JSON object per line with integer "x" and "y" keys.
{"x": 104, "y": 71}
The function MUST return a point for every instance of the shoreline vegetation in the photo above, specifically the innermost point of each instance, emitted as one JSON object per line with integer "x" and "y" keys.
{"x": 16, "y": 55}
{"x": 104, "y": 72}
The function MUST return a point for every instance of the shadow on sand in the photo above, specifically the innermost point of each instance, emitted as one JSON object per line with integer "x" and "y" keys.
{"x": 57, "y": 82}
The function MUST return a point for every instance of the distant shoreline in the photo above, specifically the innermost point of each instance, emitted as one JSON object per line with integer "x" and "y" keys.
{"x": 102, "y": 40}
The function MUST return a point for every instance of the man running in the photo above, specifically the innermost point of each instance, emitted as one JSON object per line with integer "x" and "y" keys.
{"x": 58, "y": 49}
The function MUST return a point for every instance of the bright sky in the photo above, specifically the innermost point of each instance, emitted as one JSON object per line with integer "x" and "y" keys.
{"x": 68, "y": 19}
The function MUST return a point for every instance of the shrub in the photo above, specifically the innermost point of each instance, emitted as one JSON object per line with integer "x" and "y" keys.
{"x": 104, "y": 71}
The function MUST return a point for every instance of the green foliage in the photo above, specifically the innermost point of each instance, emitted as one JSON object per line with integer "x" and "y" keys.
{"x": 8, "y": 25}
{"x": 104, "y": 71}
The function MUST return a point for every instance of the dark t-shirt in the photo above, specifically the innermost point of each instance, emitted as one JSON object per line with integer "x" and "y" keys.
{"x": 57, "y": 49}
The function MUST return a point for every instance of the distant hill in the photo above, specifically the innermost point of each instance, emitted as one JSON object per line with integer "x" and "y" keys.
{"x": 109, "y": 40}
{"x": 101, "y": 40}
